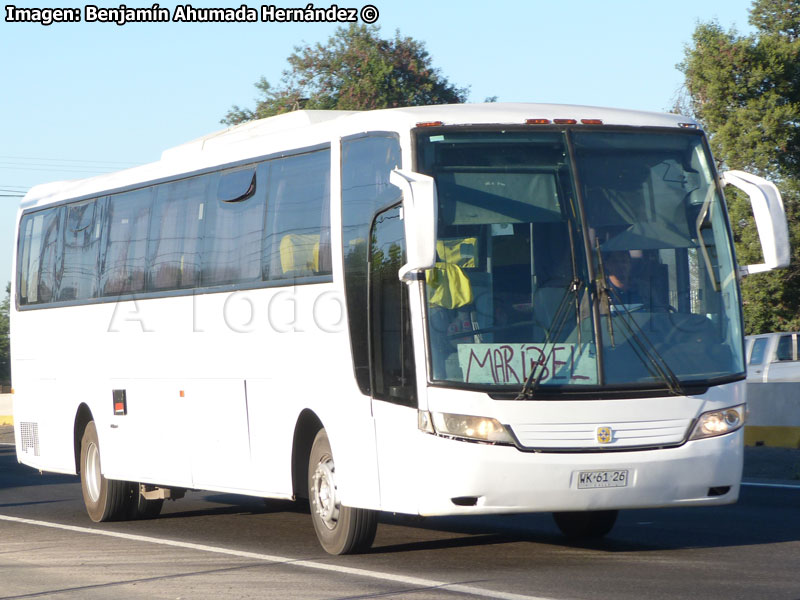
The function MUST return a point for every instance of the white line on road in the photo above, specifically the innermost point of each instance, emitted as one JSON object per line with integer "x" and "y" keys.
{"x": 783, "y": 486}
{"x": 415, "y": 581}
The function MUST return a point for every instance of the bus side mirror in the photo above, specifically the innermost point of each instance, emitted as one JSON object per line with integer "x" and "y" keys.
{"x": 419, "y": 220}
{"x": 770, "y": 216}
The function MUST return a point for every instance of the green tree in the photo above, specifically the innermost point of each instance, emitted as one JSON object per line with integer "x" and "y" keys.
{"x": 5, "y": 345}
{"x": 355, "y": 70}
{"x": 746, "y": 92}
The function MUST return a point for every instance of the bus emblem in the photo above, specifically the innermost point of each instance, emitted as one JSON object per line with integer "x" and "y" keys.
{"x": 604, "y": 435}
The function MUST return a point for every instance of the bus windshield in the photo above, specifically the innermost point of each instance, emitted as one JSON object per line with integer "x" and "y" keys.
{"x": 579, "y": 257}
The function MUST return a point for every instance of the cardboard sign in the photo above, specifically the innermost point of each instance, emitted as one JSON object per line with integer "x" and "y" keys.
{"x": 501, "y": 364}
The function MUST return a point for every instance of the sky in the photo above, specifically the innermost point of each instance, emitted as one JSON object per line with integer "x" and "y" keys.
{"x": 80, "y": 99}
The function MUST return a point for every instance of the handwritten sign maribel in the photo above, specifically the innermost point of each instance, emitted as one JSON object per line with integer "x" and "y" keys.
{"x": 512, "y": 363}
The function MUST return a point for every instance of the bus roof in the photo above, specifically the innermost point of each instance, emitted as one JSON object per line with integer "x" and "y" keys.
{"x": 306, "y": 128}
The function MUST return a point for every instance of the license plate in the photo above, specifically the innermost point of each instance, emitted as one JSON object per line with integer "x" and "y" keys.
{"x": 602, "y": 479}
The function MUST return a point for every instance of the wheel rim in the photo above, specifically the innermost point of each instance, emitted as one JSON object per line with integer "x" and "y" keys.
{"x": 324, "y": 493}
{"x": 92, "y": 470}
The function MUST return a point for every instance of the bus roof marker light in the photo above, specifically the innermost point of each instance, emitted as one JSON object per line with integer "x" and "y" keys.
{"x": 688, "y": 125}
{"x": 592, "y": 121}
{"x": 537, "y": 121}
{"x": 565, "y": 121}
{"x": 430, "y": 124}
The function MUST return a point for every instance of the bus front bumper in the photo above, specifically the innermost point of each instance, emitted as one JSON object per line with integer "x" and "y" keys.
{"x": 470, "y": 478}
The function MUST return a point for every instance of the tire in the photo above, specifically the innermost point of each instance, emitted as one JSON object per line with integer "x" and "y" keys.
{"x": 340, "y": 529}
{"x": 591, "y": 524}
{"x": 105, "y": 499}
{"x": 147, "y": 509}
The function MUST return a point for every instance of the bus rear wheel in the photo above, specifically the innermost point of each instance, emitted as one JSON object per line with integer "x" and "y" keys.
{"x": 146, "y": 509}
{"x": 105, "y": 499}
{"x": 340, "y": 529}
{"x": 590, "y": 524}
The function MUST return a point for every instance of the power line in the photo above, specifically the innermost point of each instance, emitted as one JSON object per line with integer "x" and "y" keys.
{"x": 73, "y": 160}
{"x": 23, "y": 164}
{"x": 62, "y": 165}
{"x": 59, "y": 169}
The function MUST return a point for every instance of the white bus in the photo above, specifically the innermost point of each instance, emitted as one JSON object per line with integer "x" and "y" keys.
{"x": 445, "y": 310}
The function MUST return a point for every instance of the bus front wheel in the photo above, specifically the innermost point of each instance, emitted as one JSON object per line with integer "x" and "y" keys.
{"x": 105, "y": 499}
{"x": 586, "y": 524}
{"x": 340, "y": 529}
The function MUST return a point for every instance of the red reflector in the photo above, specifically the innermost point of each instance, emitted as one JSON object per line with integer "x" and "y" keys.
{"x": 430, "y": 124}
{"x": 592, "y": 121}
{"x": 119, "y": 407}
{"x": 565, "y": 121}
{"x": 182, "y": 394}
{"x": 537, "y": 121}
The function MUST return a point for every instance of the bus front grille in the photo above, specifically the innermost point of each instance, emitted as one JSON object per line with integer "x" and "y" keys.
{"x": 586, "y": 436}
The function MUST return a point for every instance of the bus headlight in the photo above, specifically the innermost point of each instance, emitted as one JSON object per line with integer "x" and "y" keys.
{"x": 468, "y": 427}
{"x": 719, "y": 422}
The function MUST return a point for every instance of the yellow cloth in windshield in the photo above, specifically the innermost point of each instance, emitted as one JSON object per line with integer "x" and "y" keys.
{"x": 459, "y": 252}
{"x": 448, "y": 286}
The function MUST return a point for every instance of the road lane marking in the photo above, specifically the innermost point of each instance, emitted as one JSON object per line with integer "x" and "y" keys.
{"x": 783, "y": 486}
{"x": 309, "y": 564}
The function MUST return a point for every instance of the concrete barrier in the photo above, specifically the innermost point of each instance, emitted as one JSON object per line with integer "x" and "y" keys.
{"x": 6, "y": 410}
{"x": 774, "y": 414}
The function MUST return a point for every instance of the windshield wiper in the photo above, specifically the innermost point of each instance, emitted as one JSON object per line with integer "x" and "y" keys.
{"x": 557, "y": 322}
{"x": 643, "y": 347}
{"x": 554, "y": 330}
{"x": 604, "y": 291}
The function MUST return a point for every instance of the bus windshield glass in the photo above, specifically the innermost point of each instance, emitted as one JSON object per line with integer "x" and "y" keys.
{"x": 579, "y": 257}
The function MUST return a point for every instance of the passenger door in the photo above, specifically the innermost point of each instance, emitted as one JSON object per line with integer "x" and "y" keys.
{"x": 392, "y": 366}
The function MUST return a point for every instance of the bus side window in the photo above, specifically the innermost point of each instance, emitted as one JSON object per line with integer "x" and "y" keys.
{"x": 78, "y": 277}
{"x": 124, "y": 259}
{"x": 176, "y": 233}
{"x": 232, "y": 246}
{"x": 298, "y": 230}
{"x": 27, "y": 266}
{"x": 366, "y": 164}
{"x": 39, "y": 256}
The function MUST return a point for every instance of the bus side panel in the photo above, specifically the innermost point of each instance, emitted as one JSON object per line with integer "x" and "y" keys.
{"x": 398, "y": 452}
{"x": 272, "y": 412}
{"x": 147, "y": 444}
{"x": 39, "y": 410}
{"x": 351, "y": 432}
{"x": 42, "y": 406}
{"x": 275, "y": 406}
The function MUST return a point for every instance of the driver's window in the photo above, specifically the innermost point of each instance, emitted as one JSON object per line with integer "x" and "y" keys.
{"x": 391, "y": 350}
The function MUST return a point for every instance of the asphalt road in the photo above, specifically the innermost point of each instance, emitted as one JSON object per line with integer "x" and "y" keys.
{"x": 222, "y": 546}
